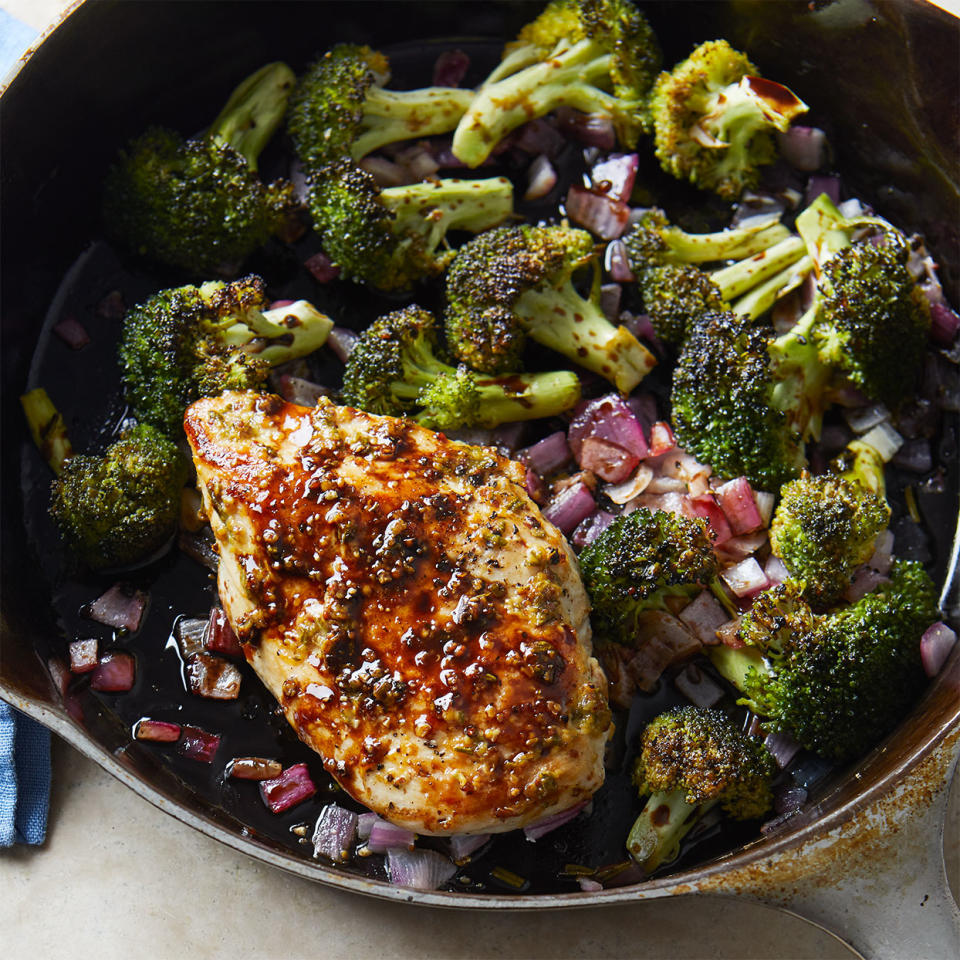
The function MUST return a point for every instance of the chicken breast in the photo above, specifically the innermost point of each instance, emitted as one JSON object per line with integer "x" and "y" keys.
{"x": 423, "y": 627}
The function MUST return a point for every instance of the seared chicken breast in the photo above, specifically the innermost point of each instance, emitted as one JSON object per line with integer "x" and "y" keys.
{"x": 424, "y": 628}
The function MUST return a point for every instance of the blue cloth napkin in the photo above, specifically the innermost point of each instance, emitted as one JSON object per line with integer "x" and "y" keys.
{"x": 15, "y": 37}
{"x": 24, "y": 778}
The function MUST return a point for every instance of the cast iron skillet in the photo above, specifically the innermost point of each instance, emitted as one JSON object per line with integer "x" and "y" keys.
{"x": 884, "y": 79}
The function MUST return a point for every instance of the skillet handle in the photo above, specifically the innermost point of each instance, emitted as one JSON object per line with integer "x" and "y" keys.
{"x": 876, "y": 881}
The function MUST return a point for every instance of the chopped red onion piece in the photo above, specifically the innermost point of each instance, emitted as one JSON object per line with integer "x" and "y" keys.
{"x": 641, "y": 326}
{"x": 280, "y": 304}
{"x": 335, "y": 833}
{"x": 365, "y": 824}
{"x": 592, "y": 129}
{"x": 765, "y": 502}
{"x": 610, "y": 296}
{"x": 591, "y": 527}
{"x": 944, "y": 324}
{"x": 197, "y": 744}
{"x": 386, "y": 172}
{"x": 547, "y": 455}
{"x": 804, "y": 148}
{"x": 631, "y": 487}
{"x": 601, "y": 215}
{"x": 60, "y": 675}
{"x": 539, "y": 137}
{"x": 419, "y": 869}
{"x": 935, "y": 646}
{"x": 915, "y": 456}
{"x": 386, "y": 836}
{"x": 535, "y": 486}
{"x": 111, "y": 306}
{"x": 589, "y": 885}
{"x": 775, "y": 571}
{"x": 342, "y": 342}
{"x": 822, "y": 184}
{"x": 703, "y": 616}
{"x": 617, "y": 263}
{"x": 83, "y": 655}
{"x": 608, "y": 418}
{"x": 121, "y": 607}
{"x": 865, "y": 580}
{"x": 736, "y": 499}
{"x": 200, "y": 546}
{"x": 464, "y": 844}
{"x": 783, "y": 748}
{"x": 72, "y": 332}
{"x": 541, "y": 178}
{"x": 788, "y": 799}
{"x": 746, "y": 578}
{"x": 156, "y": 731}
{"x": 570, "y": 506}
{"x": 253, "y": 768}
{"x": 303, "y": 392}
{"x": 606, "y": 459}
{"x": 697, "y": 686}
{"x": 661, "y": 438}
{"x": 705, "y": 505}
{"x": 615, "y": 175}
{"x": 882, "y": 558}
{"x": 322, "y": 268}
{"x": 213, "y": 677}
{"x": 740, "y": 547}
{"x": 220, "y": 635}
{"x": 508, "y": 437}
{"x": 861, "y": 419}
{"x": 115, "y": 673}
{"x": 191, "y": 635}
{"x": 537, "y": 830}
{"x": 727, "y": 634}
{"x": 293, "y": 786}
{"x": 450, "y": 68}
{"x": 884, "y": 439}
{"x": 419, "y": 160}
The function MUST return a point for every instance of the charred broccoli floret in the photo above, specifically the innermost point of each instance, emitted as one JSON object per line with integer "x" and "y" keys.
{"x": 120, "y": 508}
{"x": 198, "y": 204}
{"x": 640, "y": 561}
{"x": 190, "y": 342}
{"x": 837, "y": 681}
{"x": 713, "y": 119}
{"x": 340, "y": 107}
{"x": 597, "y": 56}
{"x": 390, "y": 238}
{"x": 398, "y": 368}
{"x": 516, "y": 282}
{"x": 827, "y": 526}
{"x": 692, "y": 759}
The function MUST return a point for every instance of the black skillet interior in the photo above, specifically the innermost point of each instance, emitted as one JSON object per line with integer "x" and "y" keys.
{"x": 97, "y": 82}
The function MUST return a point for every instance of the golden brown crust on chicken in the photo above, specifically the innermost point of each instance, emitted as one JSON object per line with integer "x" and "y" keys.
{"x": 423, "y": 627}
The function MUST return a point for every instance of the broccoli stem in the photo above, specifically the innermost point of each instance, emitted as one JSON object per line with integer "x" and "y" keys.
{"x": 860, "y": 461}
{"x": 744, "y": 108}
{"x": 762, "y": 297}
{"x": 746, "y": 274}
{"x": 559, "y": 318}
{"x": 523, "y": 56}
{"x": 734, "y": 244}
{"x": 282, "y": 334}
{"x": 47, "y": 428}
{"x": 437, "y": 206}
{"x": 526, "y": 396}
{"x": 394, "y": 115}
{"x": 255, "y": 110}
{"x": 665, "y": 820}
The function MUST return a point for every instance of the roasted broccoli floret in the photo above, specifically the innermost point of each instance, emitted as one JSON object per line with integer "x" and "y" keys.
{"x": 597, "y": 56}
{"x": 198, "y": 204}
{"x": 639, "y": 562}
{"x": 390, "y": 238}
{"x": 713, "y": 119}
{"x": 190, "y": 342}
{"x": 827, "y": 526}
{"x": 340, "y": 107}
{"x": 837, "y": 681}
{"x": 47, "y": 428}
{"x": 515, "y": 282}
{"x": 121, "y": 508}
{"x": 398, "y": 368}
{"x": 692, "y": 759}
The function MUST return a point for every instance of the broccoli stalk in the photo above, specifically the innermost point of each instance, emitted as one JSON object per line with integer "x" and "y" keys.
{"x": 515, "y": 282}
{"x": 397, "y": 368}
{"x": 198, "y": 205}
{"x": 692, "y": 759}
{"x": 340, "y": 108}
{"x": 47, "y": 428}
{"x": 391, "y": 238}
{"x": 596, "y": 56}
{"x": 189, "y": 342}
{"x": 836, "y": 681}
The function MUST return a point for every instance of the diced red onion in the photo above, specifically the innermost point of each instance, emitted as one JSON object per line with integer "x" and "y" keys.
{"x": 745, "y": 579}
{"x": 547, "y": 455}
{"x": 783, "y": 748}
{"x": 661, "y": 438}
{"x": 703, "y": 616}
{"x": 121, "y": 607}
{"x": 540, "y": 829}
{"x": 804, "y": 148}
{"x": 589, "y": 885}
{"x": 197, "y": 744}
{"x": 83, "y": 655}
{"x": 641, "y": 326}
{"x": 386, "y": 172}
{"x": 822, "y": 184}
{"x": 293, "y": 786}
{"x": 765, "y": 502}
{"x": 944, "y": 324}
{"x": 335, "y": 833}
{"x": 213, "y": 677}
{"x": 697, "y": 686}
{"x": 706, "y": 506}
{"x": 386, "y": 836}
{"x": 592, "y": 129}
{"x": 450, "y": 68}
{"x": 111, "y": 306}
{"x": 614, "y": 176}
{"x": 539, "y": 136}
{"x": 740, "y": 547}
{"x": 678, "y": 503}
{"x": 664, "y": 484}
{"x": 861, "y": 419}
{"x": 865, "y": 580}
{"x": 775, "y": 571}
{"x": 617, "y": 263}
{"x": 541, "y": 178}
{"x": 200, "y": 546}
{"x": 632, "y": 487}
{"x": 303, "y": 392}
{"x": 220, "y": 636}
{"x": 365, "y": 824}
{"x": 419, "y": 869}
{"x": 600, "y": 214}
{"x": 342, "y": 342}
{"x": 254, "y": 768}
{"x": 115, "y": 673}
{"x": 935, "y": 646}
{"x": 591, "y": 527}
{"x": 915, "y": 456}
{"x": 72, "y": 332}
{"x": 322, "y": 268}
{"x": 60, "y": 675}
{"x": 156, "y": 731}
{"x": 882, "y": 558}
{"x": 736, "y": 499}
{"x": 727, "y": 634}
{"x": 191, "y": 635}
{"x": 788, "y": 799}
{"x": 570, "y": 506}
{"x": 464, "y": 844}
{"x": 884, "y": 439}
{"x": 608, "y": 418}
{"x": 610, "y": 296}
{"x": 419, "y": 160}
